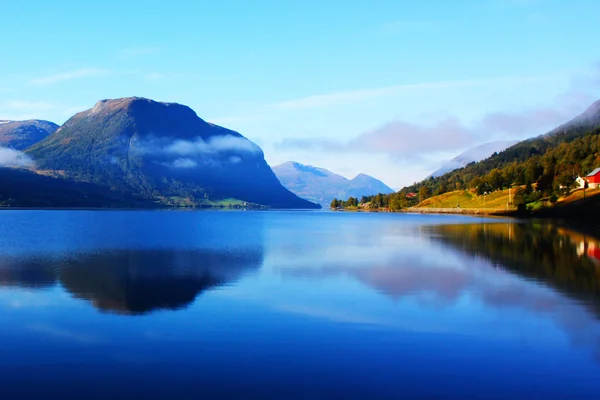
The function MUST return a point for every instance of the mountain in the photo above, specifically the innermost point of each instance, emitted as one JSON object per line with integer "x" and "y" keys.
{"x": 161, "y": 151}
{"x": 321, "y": 186}
{"x": 544, "y": 165}
{"x": 19, "y": 135}
{"x": 590, "y": 118}
{"x": 475, "y": 154}
{"x": 25, "y": 188}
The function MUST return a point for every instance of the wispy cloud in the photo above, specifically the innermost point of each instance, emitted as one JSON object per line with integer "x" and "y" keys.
{"x": 23, "y": 110}
{"x": 14, "y": 158}
{"x": 351, "y": 96}
{"x": 69, "y": 75}
{"x": 404, "y": 139}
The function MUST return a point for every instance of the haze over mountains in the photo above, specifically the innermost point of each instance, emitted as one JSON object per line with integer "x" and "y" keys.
{"x": 160, "y": 151}
{"x": 322, "y": 186}
{"x": 474, "y": 154}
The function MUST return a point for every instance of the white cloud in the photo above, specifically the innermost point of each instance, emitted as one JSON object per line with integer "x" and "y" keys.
{"x": 69, "y": 75}
{"x": 184, "y": 163}
{"x": 352, "y": 96}
{"x": 14, "y": 158}
{"x": 213, "y": 145}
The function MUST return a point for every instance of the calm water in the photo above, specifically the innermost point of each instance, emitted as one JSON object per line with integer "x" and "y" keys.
{"x": 295, "y": 305}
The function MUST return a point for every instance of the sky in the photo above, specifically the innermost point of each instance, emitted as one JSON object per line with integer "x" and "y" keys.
{"x": 392, "y": 89}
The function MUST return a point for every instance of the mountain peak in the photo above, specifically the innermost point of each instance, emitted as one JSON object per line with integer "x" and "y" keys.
{"x": 362, "y": 176}
{"x": 133, "y": 103}
{"x": 321, "y": 186}
{"x": 21, "y": 134}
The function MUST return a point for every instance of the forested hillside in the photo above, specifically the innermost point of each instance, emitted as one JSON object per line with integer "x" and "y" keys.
{"x": 546, "y": 162}
{"x": 545, "y": 166}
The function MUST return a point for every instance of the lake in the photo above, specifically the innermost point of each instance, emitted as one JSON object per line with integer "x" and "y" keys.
{"x": 295, "y": 305}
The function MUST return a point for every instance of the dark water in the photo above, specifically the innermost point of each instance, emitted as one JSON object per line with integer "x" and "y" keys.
{"x": 295, "y": 305}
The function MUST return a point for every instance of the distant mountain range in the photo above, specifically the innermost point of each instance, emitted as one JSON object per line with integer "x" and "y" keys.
{"x": 157, "y": 151}
{"x": 475, "y": 154}
{"x": 19, "y": 135}
{"x": 322, "y": 186}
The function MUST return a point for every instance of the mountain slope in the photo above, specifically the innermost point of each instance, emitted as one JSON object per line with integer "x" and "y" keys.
{"x": 161, "y": 150}
{"x": 590, "y": 119}
{"x": 19, "y": 135}
{"x": 475, "y": 154}
{"x": 23, "y": 188}
{"x": 547, "y": 162}
{"x": 321, "y": 186}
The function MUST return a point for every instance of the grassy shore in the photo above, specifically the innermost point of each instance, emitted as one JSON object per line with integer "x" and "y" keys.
{"x": 576, "y": 205}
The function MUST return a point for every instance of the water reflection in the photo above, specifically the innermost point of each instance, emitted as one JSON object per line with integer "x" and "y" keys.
{"x": 530, "y": 270}
{"x": 565, "y": 259}
{"x": 134, "y": 281}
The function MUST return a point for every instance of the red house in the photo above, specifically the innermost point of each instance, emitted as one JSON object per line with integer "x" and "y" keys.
{"x": 411, "y": 195}
{"x": 593, "y": 179}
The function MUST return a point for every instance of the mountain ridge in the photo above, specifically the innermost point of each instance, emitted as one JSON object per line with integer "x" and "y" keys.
{"x": 321, "y": 185}
{"x": 474, "y": 154}
{"x": 19, "y": 135}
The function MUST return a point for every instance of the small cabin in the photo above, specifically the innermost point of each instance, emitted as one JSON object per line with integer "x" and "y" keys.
{"x": 412, "y": 195}
{"x": 593, "y": 179}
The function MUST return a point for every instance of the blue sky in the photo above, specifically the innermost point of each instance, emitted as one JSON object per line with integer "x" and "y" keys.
{"x": 388, "y": 88}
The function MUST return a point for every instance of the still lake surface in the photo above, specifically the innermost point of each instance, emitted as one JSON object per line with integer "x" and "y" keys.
{"x": 295, "y": 305}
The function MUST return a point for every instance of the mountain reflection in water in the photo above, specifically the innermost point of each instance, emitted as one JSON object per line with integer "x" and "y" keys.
{"x": 134, "y": 281}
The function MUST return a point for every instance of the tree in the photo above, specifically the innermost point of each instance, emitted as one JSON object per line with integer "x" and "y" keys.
{"x": 335, "y": 203}
{"x": 566, "y": 181}
{"x": 398, "y": 202}
{"x": 495, "y": 180}
{"x": 424, "y": 193}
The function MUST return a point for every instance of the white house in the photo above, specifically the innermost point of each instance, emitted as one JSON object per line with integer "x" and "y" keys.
{"x": 579, "y": 182}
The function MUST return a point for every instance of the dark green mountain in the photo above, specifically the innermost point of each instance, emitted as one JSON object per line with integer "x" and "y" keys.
{"x": 161, "y": 151}
{"x": 19, "y": 135}
{"x": 24, "y": 188}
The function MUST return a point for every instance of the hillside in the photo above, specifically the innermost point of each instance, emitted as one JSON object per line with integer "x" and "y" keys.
{"x": 549, "y": 162}
{"x": 321, "y": 186}
{"x": 540, "y": 170}
{"x": 466, "y": 199}
{"x": 23, "y": 188}
{"x": 19, "y": 135}
{"x": 475, "y": 154}
{"x": 161, "y": 151}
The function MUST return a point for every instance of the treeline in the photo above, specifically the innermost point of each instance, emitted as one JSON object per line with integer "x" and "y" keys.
{"x": 546, "y": 166}
{"x": 393, "y": 202}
